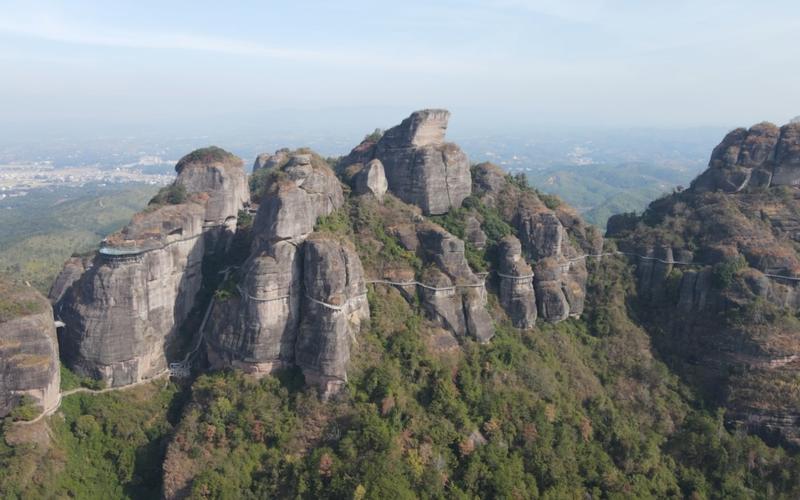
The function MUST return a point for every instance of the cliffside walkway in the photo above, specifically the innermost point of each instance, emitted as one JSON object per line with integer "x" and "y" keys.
{"x": 79, "y": 390}
{"x": 181, "y": 369}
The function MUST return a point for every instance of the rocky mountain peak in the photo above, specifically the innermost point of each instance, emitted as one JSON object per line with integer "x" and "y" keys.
{"x": 717, "y": 268}
{"x": 422, "y": 128}
{"x": 420, "y": 167}
{"x": 208, "y": 156}
{"x": 762, "y": 156}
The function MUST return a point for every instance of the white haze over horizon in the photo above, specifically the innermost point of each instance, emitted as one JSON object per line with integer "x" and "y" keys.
{"x": 184, "y": 67}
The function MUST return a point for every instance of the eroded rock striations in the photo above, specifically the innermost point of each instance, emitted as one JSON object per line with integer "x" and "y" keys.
{"x": 709, "y": 266}
{"x": 457, "y": 298}
{"x": 746, "y": 159}
{"x": 421, "y": 168}
{"x": 334, "y": 305}
{"x": 294, "y": 273}
{"x": 29, "y": 363}
{"x": 555, "y": 239}
{"x": 516, "y": 292}
{"x": 122, "y": 315}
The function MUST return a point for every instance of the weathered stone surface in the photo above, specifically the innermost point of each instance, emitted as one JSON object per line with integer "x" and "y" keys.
{"x": 305, "y": 189}
{"x": 29, "y": 363}
{"x": 555, "y": 239}
{"x": 257, "y": 330}
{"x": 123, "y": 314}
{"x": 334, "y": 305}
{"x": 220, "y": 176}
{"x": 720, "y": 309}
{"x": 421, "y": 169}
{"x": 762, "y": 156}
{"x": 422, "y": 128}
{"x": 302, "y": 295}
{"x": 516, "y": 284}
{"x": 73, "y": 268}
{"x": 371, "y": 179}
{"x": 463, "y": 309}
{"x": 474, "y": 234}
{"x": 274, "y": 160}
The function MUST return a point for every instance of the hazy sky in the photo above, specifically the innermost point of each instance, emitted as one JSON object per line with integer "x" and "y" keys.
{"x": 133, "y": 66}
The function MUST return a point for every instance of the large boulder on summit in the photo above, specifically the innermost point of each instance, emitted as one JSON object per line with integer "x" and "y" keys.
{"x": 334, "y": 305}
{"x": 219, "y": 175}
{"x": 271, "y": 160}
{"x": 421, "y": 168}
{"x": 29, "y": 364}
{"x": 303, "y": 189}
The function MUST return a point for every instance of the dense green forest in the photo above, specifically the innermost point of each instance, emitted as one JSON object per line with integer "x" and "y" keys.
{"x": 579, "y": 409}
{"x": 599, "y": 191}
{"x": 38, "y": 232}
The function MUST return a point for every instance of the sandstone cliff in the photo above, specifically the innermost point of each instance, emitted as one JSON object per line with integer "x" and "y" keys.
{"x": 717, "y": 267}
{"x": 763, "y": 156}
{"x": 553, "y": 238}
{"x": 123, "y": 314}
{"x": 28, "y": 348}
{"x": 293, "y": 273}
{"x": 421, "y": 168}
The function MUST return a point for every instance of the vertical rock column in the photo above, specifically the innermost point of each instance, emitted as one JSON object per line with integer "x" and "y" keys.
{"x": 28, "y": 349}
{"x": 334, "y": 305}
{"x": 516, "y": 284}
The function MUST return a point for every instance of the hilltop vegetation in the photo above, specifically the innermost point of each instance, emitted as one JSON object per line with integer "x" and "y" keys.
{"x": 560, "y": 411}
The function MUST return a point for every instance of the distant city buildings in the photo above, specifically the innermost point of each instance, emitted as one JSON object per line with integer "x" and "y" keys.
{"x": 18, "y": 178}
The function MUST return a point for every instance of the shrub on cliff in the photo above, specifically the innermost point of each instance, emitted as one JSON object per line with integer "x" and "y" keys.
{"x": 174, "y": 194}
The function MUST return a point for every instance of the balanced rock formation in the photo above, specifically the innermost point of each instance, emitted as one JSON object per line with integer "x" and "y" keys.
{"x": 762, "y": 156}
{"x": 516, "y": 284}
{"x": 29, "y": 365}
{"x": 421, "y": 168}
{"x": 371, "y": 179}
{"x": 718, "y": 274}
{"x": 553, "y": 237}
{"x": 123, "y": 314}
{"x": 219, "y": 175}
